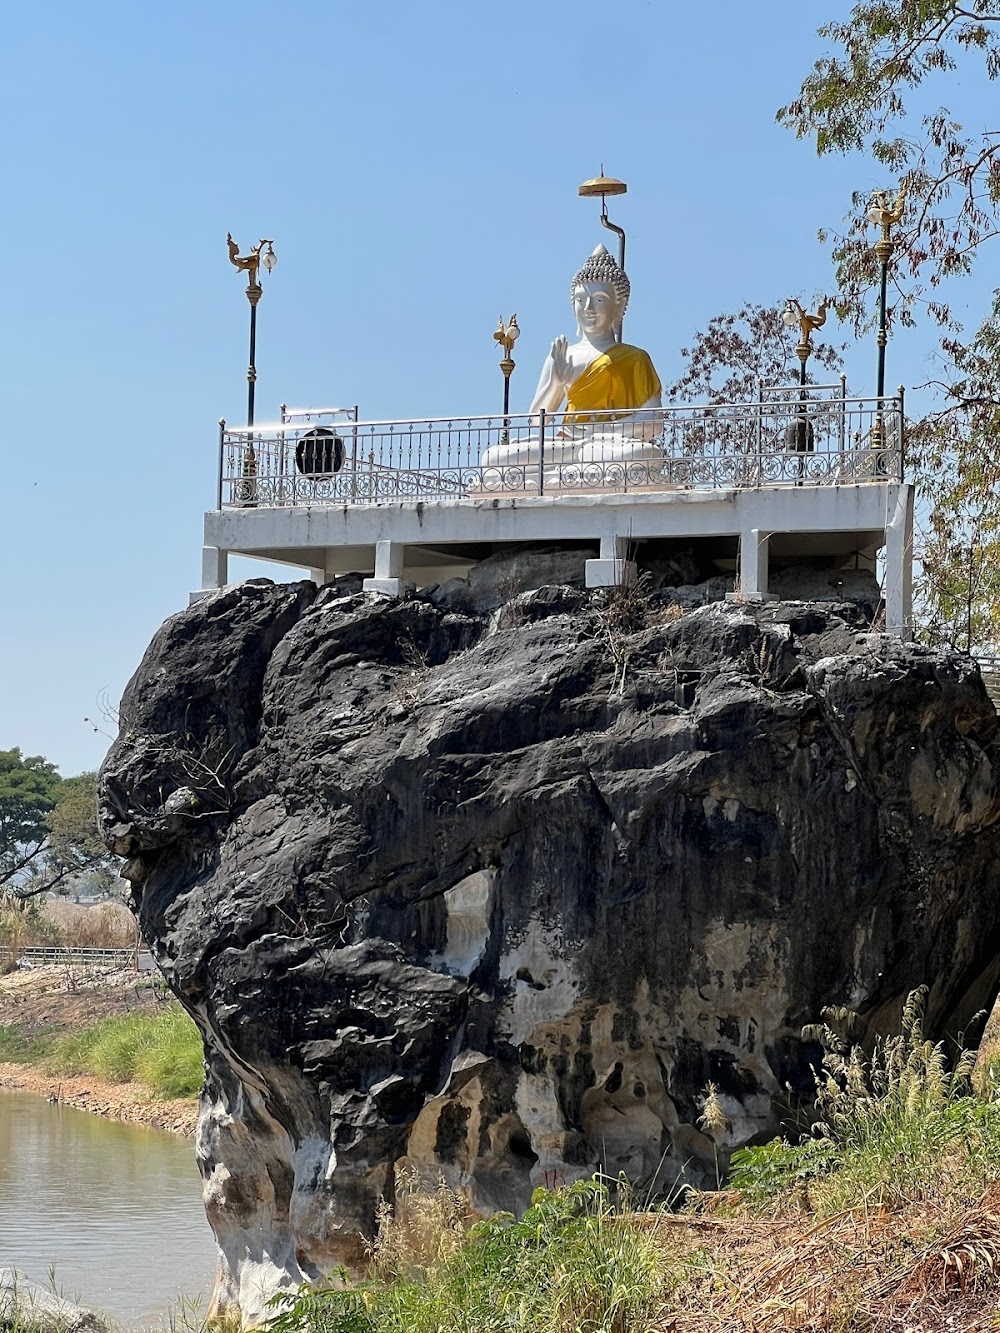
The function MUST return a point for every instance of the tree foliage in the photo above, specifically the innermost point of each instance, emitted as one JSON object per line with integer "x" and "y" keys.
{"x": 48, "y": 828}
{"x": 736, "y": 353}
{"x": 875, "y": 92}
{"x": 856, "y": 99}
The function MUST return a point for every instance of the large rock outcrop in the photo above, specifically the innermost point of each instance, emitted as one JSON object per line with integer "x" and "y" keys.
{"x": 497, "y": 892}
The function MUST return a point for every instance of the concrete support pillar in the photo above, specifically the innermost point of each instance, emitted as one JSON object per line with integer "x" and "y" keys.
{"x": 214, "y": 567}
{"x": 318, "y": 575}
{"x": 753, "y": 568}
{"x": 612, "y": 568}
{"x": 388, "y": 580}
{"x": 898, "y": 591}
{"x": 214, "y": 572}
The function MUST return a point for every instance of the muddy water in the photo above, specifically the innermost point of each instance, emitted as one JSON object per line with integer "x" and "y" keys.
{"x": 114, "y": 1210}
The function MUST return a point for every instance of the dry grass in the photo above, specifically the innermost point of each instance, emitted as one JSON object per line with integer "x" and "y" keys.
{"x": 885, "y": 1217}
{"x": 903, "y": 1269}
{"x": 422, "y": 1232}
{"x": 107, "y": 925}
{"x": 931, "y": 1268}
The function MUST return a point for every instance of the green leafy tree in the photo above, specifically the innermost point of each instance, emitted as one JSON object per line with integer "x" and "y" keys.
{"x": 856, "y": 99}
{"x": 875, "y": 92}
{"x": 48, "y": 828}
{"x": 28, "y": 787}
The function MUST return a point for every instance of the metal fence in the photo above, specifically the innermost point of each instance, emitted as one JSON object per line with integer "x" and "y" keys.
{"x": 46, "y": 953}
{"x": 793, "y": 438}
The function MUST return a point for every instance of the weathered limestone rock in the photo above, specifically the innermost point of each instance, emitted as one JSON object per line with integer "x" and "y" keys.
{"x": 501, "y": 577}
{"x": 27, "y": 1306}
{"x": 497, "y": 894}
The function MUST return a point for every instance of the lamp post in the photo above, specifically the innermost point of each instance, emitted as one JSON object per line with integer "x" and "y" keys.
{"x": 604, "y": 185}
{"x": 797, "y": 436}
{"x": 794, "y": 314}
{"x": 881, "y": 214}
{"x": 507, "y": 335}
{"x": 250, "y": 264}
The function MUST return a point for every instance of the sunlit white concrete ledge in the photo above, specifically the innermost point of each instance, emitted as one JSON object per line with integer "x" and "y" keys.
{"x": 426, "y": 541}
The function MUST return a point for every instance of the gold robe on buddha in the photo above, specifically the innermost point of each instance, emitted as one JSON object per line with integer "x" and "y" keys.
{"x": 619, "y": 380}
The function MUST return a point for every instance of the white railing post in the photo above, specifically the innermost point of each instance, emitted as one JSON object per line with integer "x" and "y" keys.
{"x": 354, "y": 455}
{"x": 541, "y": 451}
{"x": 222, "y": 439}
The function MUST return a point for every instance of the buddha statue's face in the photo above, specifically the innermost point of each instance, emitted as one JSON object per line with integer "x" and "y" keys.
{"x": 597, "y": 309}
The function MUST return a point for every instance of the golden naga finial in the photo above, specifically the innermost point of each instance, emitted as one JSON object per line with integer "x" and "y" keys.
{"x": 507, "y": 335}
{"x": 250, "y": 264}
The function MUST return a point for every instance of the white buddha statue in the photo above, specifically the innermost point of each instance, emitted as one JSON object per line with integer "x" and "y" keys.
{"x": 609, "y": 387}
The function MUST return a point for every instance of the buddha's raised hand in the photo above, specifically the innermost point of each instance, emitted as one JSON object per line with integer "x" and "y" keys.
{"x": 560, "y": 360}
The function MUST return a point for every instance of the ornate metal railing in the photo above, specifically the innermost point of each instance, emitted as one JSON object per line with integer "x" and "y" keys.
{"x": 780, "y": 442}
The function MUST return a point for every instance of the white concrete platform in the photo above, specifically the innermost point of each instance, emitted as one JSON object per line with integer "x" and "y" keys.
{"x": 418, "y": 502}
{"x": 421, "y": 542}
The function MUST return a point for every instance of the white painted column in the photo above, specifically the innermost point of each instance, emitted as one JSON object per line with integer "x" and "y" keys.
{"x": 612, "y": 568}
{"x": 388, "y": 580}
{"x": 214, "y": 572}
{"x": 753, "y": 568}
{"x": 898, "y": 591}
{"x": 214, "y": 567}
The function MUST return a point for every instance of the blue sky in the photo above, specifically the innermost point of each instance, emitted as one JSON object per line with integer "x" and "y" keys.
{"x": 417, "y": 167}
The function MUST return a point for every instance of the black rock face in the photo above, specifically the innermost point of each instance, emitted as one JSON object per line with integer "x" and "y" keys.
{"x": 497, "y": 895}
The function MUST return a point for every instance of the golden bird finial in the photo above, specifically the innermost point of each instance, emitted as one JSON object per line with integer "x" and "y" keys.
{"x": 507, "y": 335}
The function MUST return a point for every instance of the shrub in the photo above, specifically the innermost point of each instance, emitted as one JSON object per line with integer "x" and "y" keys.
{"x": 108, "y": 925}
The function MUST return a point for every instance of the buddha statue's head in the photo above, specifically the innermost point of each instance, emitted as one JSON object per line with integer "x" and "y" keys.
{"x": 600, "y": 294}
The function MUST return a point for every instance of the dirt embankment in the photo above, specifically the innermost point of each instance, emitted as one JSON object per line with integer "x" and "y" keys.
{"x": 46, "y": 1002}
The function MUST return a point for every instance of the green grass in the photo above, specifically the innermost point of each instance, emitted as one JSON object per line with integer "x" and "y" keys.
{"x": 902, "y": 1123}
{"x": 577, "y": 1262}
{"x": 17, "y": 1047}
{"x": 161, "y": 1048}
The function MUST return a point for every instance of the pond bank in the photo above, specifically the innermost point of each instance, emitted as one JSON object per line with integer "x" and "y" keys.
{"x": 128, "y": 1102}
{"x": 40, "y": 1005}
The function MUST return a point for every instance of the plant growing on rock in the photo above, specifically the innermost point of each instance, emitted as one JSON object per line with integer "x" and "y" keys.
{"x": 900, "y": 1121}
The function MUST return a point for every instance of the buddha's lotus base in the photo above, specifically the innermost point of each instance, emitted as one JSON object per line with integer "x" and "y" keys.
{"x": 612, "y": 448}
{"x": 501, "y": 460}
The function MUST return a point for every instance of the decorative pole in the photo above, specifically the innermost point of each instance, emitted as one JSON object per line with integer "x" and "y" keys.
{"x": 880, "y": 214}
{"x": 507, "y": 335}
{"x": 604, "y": 185}
{"x": 794, "y": 314}
{"x": 250, "y": 264}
